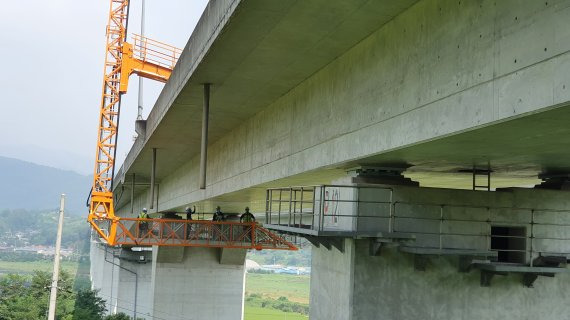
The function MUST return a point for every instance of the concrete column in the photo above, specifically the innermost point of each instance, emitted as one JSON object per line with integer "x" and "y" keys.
{"x": 127, "y": 284}
{"x": 332, "y": 283}
{"x": 112, "y": 286}
{"x": 96, "y": 270}
{"x": 104, "y": 275}
{"x": 356, "y": 285}
{"x": 190, "y": 283}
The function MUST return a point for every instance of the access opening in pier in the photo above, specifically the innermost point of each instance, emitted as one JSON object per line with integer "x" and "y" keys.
{"x": 510, "y": 243}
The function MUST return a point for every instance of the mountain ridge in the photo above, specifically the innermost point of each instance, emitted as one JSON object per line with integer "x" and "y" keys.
{"x": 31, "y": 186}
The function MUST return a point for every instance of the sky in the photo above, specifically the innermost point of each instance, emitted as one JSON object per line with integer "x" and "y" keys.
{"x": 53, "y": 53}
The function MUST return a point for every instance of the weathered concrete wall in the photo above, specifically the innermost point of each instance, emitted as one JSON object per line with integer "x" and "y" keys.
{"x": 96, "y": 266}
{"x": 126, "y": 289}
{"x": 195, "y": 285}
{"x": 332, "y": 284}
{"x": 188, "y": 283}
{"x": 104, "y": 276}
{"x": 442, "y": 293}
{"x": 439, "y": 68}
{"x": 387, "y": 287}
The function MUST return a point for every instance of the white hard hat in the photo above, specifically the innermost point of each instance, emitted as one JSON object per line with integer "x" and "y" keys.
{"x": 144, "y": 210}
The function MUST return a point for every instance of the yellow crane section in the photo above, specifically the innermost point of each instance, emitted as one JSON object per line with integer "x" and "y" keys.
{"x": 153, "y": 60}
{"x": 148, "y": 59}
{"x": 101, "y": 201}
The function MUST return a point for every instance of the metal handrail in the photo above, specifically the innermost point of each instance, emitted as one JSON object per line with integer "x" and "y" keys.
{"x": 149, "y": 50}
{"x": 391, "y": 218}
{"x": 193, "y": 233}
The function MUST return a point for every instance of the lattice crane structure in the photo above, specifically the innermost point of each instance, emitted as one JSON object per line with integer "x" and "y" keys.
{"x": 153, "y": 60}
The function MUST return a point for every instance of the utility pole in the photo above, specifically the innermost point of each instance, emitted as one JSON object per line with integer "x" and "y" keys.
{"x": 55, "y": 278}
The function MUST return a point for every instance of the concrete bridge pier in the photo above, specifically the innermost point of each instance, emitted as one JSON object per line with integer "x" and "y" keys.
{"x": 104, "y": 275}
{"x": 134, "y": 283}
{"x": 355, "y": 285}
{"x": 172, "y": 283}
{"x": 405, "y": 252}
{"x": 191, "y": 283}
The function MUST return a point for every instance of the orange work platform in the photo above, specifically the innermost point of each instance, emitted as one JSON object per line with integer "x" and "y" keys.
{"x": 189, "y": 233}
{"x": 153, "y": 60}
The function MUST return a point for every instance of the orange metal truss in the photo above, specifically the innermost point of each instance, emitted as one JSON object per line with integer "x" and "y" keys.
{"x": 192, "y": 233}
{"x": 154, "y": 60}
{"x": 150, "y": 59}
{"x": 101, "y": 205}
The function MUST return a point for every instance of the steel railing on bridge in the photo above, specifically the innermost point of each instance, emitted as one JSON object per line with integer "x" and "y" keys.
{"x": 337, "y": 208}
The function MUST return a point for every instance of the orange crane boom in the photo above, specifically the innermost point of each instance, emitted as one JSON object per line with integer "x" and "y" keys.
{"x": 101, "y": 204}
{"x": 154, "y": 60}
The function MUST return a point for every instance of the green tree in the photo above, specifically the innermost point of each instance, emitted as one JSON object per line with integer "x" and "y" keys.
{"x": 15, "y": 300}
{"x": 88, "y": 306}
{"x": 118, "y": 316}
{"x": 25, "y": 297}
{"x": 11, "y": 285}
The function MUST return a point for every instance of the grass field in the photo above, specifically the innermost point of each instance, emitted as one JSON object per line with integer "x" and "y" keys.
{"x": 295, "y": 288}
{"x": 29, "y": 267}
{"x": 272, "y": 287}
{"x": 256, "y": 313}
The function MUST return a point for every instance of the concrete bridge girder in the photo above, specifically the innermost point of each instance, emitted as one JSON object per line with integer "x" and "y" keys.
{"x": 451, "y": 109}
{"x": 437, "y": 85}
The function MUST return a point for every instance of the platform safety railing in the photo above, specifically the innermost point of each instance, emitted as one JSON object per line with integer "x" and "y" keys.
{"x": 537, "y": 233}
{"x": 193, "y": 233}
{"x": 290, "y": 205}
{"x": 543, "y": 232}
{"x": 311, "y": 207}
{"x": 148, "y": 50}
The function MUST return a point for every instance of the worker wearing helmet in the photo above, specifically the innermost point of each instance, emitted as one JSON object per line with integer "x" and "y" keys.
{"x": 143, "y": 214}
{"x": 189, "y": 213}
{"x": 247, "y": 216}
{"x": 218, "y": 215}
{"x": 143, "y": 225}
{"x": 189, "y": 227}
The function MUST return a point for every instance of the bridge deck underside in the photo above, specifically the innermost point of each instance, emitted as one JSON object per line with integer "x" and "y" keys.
{"x": 517, "y": 151}
{"x": 283, "y": 115}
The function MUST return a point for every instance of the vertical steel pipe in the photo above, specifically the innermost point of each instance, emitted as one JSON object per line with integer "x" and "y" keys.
{"x": 152, "y": 177}
{"x": 132, "y": 193}
{"x": 204, "y": 146}
{"x": 531, "y": 237}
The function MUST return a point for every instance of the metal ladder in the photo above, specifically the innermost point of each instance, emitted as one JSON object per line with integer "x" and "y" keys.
{"x": 485, "y": 173}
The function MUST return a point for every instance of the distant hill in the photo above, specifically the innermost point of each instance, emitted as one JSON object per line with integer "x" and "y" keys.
{"x": 39, "y": 227}
{"x": 25, "y": 185}
{"x": 61, "y": 159}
